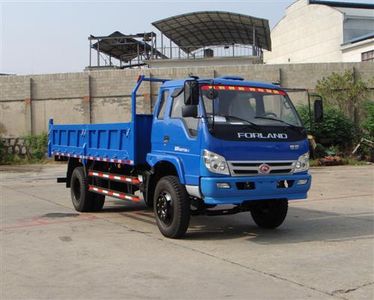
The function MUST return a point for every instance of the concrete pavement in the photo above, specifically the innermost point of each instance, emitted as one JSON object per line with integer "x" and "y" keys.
{"x": 324, "y": 250}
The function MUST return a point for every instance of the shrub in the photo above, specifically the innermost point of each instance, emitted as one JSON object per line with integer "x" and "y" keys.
{"x": 368, "y": 122}
{"x": 344, "y": 91}
{"x": 37, "y": 148}
{"x": 37, "y": 145}
{"x": 3, "y": 154}
{"x": 336, "y": 128}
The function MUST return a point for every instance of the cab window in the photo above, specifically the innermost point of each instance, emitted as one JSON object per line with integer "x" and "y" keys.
{"x": 176, "y": 113}
{"x": 162, "y": 107}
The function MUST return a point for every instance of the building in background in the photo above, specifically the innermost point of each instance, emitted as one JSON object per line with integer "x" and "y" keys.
{"x": 204, "y": 38}
{"x": 323, "y": 31}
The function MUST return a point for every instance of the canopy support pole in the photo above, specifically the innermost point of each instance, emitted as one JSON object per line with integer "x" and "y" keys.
{"x": 98, "y": 53}
{"x": 90, "y": 56}
{"x": 254, "y": 52}
{"x": 137, "y": 46}
{"x": 162, "y": 44}
{"x": 171, "y": 51}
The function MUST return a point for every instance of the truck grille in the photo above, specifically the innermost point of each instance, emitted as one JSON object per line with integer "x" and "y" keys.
{"x": 245, "y": 168}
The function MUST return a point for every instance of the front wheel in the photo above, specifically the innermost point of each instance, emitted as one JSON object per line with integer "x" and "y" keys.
{"x": 171, "y": 207}
{"x": 269, "y": 214}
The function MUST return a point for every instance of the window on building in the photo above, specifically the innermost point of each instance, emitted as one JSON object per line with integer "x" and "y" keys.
{"x": 367, "y": 56}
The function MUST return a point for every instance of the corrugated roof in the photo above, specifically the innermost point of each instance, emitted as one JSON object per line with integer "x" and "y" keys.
{"x": 195, "y": 30}
{"x": 123, "y": 47}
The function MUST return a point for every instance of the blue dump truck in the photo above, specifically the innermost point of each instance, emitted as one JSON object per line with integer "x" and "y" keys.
{"x": 211, "y": 147}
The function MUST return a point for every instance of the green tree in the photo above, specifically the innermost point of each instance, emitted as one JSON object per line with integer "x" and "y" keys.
{"x": 368, "y": 121}
{"x": 37, "y": 145}
{"x": 344, "y": 91}
{"x": 335, "y": 130}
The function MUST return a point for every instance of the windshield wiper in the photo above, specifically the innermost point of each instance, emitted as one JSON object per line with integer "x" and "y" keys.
{"x": 279, "y": 120}
{"x": 242, "y": 120}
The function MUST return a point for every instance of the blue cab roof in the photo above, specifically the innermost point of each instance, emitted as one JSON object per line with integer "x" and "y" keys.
{"x": 223, "y": 81}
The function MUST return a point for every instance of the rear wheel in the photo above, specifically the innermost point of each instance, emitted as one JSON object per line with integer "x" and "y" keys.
{"x": 98, "y": 200}
{"x": 269, "y": 214}
{"x": 171, "y": 207}
{"x": 83, "y": 200}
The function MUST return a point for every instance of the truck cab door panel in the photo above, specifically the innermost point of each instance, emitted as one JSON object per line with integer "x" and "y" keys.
{"x": 158, "y": 127}
{"x": 180, "y": 137}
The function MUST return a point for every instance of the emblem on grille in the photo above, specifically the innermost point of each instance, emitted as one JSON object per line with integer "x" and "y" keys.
{"x": 264, "y": 169}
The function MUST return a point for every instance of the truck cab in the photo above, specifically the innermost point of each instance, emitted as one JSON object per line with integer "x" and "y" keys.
{"x": 243, "y": 141}
{"x": 212, "y": 146}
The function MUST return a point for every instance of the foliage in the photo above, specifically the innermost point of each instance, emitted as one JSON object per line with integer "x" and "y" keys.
{"x": 37, "y": 148}
{"x": 333, "y": 150}
{"x": 368, "y": 123}
{"x": 336, "y": 128}
{"x": 37, "y": 145}
{"x": 3, "y": 154}
{"x": 303, "y": 111}
{"x": 345, "y": 92}
{"x": 320, "y": 151}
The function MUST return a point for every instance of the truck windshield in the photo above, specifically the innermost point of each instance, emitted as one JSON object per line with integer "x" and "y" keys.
{"x": 238, "y": 105}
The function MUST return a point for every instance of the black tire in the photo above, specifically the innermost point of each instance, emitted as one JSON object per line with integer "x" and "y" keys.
{"x": 269, "y": 214}
{"x": 83, "y": 200}
{"x": 171, "y": 206}
{"x": 97, "y": 202}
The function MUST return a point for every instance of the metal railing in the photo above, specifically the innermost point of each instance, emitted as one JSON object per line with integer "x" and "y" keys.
{"x": 175, "y": 52}
{"x": 141, "y": 56}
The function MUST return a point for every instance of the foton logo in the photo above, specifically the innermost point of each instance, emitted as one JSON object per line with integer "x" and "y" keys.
{"x": 259, "y": 135}
{"x": 264, "y": 169}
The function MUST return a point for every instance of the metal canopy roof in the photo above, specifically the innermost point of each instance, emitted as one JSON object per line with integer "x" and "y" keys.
{"x": 123, "y": 47}
{"x": 195, "y": 30}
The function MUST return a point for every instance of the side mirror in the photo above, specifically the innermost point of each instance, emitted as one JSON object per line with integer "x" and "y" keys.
{"x": 191, "y": 92}
{"x": 318, "y": 111}
{"x": 189, "y": 111}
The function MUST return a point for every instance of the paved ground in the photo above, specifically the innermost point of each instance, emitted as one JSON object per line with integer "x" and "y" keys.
{"x": 325, "y": 249}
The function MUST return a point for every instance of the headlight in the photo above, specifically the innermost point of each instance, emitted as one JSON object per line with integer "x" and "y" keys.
{"x": 215, "y": 163}
{"x": 302, "y": 163}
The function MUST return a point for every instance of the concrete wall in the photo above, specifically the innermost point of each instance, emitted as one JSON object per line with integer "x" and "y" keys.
{"x": 28, "y": 102}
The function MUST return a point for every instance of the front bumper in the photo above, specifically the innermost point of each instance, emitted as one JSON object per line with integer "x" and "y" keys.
{"x": 254, "y": 188}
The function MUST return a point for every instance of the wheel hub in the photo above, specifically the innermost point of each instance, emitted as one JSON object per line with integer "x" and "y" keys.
{"x": 164, "y": 207}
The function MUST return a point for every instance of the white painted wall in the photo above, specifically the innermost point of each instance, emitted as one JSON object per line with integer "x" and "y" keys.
{"x": 352, "y": 52}
{"x": 307, "y": 34}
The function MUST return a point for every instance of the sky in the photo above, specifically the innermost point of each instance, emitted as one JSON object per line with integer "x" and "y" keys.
{"x": 51, "y": 36}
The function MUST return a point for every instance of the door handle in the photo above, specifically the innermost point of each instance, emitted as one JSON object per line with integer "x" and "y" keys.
{"x": 166, "y": 139}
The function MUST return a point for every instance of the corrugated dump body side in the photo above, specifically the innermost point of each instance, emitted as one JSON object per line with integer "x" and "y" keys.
{"x": 104, "y": 142}
{"x": 113, "y": 142}
{"x": 126, "y": 143}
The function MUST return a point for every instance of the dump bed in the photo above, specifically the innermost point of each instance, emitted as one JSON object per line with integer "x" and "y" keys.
{"x": 126, "y": 143}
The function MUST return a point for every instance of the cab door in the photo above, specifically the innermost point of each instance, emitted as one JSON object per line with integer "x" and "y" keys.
{"x": 158, "y": 126}
{"x": 181, "y": 137}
